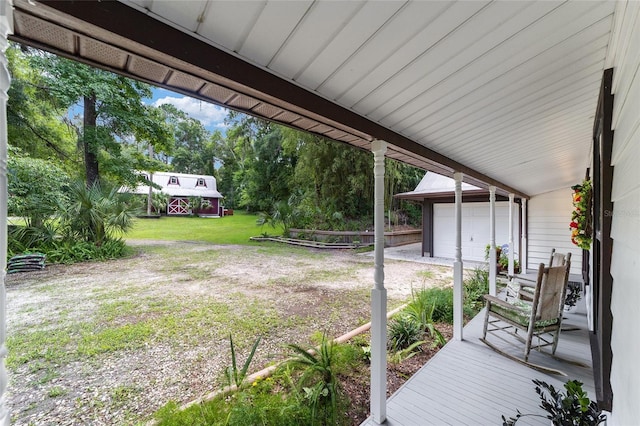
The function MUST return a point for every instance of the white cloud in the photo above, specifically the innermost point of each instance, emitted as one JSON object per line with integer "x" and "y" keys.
{"x": 208, "y": 114}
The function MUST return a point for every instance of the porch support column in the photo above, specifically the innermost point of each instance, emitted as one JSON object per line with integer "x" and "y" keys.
{"x": 379, "y": 294}
{"x": 492, "y": 241}
{"x": 6, "y": 27}
{"x": 457, "y": 263}
{"x": 511, "y": 245}
{"x": 523, "y": 248}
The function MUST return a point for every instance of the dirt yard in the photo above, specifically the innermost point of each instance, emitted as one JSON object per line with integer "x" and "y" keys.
{"x": 110, "y": 343}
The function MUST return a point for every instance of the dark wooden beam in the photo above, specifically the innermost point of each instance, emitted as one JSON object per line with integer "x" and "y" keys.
{"x": 602, "y": 246}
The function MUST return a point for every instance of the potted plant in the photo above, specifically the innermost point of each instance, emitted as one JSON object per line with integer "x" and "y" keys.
{"x": 569, "y": 408}
{"x": 573, "y": 295}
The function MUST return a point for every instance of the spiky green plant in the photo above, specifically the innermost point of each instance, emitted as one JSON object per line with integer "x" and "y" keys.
{"x": 420, "y": 310}
{"x": 403, "y": 332}
{"x": 233, "y": 375}
{"x": 319, "y": 380}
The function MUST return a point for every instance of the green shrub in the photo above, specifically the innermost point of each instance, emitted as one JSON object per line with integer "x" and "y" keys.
{"x": 319, "y": 380}
{"x": 475, "y": 286}
{"x": 442, "y": 301}
{"x": 404, "y": 331}
{"x": 420, "y": 310}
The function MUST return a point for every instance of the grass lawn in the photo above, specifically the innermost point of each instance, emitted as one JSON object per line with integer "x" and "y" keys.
{"x": 234, "y": 229}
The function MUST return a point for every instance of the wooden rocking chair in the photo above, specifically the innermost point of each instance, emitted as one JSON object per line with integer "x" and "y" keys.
{"x": 542, "y": 318}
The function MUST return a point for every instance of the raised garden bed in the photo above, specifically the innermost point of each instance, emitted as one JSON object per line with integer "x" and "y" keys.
{"x": 391, "y": 238}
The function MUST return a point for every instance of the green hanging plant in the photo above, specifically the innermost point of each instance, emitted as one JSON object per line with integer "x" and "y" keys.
{"x": 581, "y": 228}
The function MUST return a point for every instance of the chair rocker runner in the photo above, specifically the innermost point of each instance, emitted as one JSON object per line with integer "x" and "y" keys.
{"x": 541, "y": 318}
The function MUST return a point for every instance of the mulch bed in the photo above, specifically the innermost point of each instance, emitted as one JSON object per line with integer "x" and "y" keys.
{"x": 357, "y": 384}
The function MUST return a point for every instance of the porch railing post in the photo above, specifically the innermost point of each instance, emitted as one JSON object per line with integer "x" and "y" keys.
{"x": 379, "y": 294}
{"x": 457, "y": 264}
{"x": 6, "y": 27}
{"x": 492, "y": 241}
{"x": 523, "y": 248}
{"x": 511, "y": 245}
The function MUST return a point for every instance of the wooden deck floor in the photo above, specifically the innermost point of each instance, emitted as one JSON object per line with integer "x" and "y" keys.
{"x": 467, "y": 383}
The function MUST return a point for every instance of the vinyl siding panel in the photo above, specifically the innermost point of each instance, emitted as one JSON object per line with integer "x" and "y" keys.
{"x": 625, "y": 267}
{"x": 549, "y": 217}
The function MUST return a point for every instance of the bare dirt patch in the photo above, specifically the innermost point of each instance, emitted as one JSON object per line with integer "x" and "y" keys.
{"x": 165, "y": 315}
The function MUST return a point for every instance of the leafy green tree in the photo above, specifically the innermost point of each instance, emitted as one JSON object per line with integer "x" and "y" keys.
{"x": 335, "y": 177}
{"x": 192, "y": 150}
{"x": 113, "y": 112}
{"x": 256, "y": 170}
{"x": 36, "y": 187}
{"x": 33, "y": 116}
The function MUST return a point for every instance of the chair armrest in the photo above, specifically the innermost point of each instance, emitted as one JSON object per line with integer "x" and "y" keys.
{"x": 492, "y": 300}
{"x": 531, "y": 279}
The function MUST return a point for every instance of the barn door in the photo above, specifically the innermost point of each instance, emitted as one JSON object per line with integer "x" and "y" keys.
{"x": 178, "y": 206}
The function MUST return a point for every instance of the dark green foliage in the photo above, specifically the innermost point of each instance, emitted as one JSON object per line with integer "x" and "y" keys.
{"x": 36, "y": 187}
{"x": 403, "y": 332}
{"x": 475, "y": 286}
{"x": 442, "y": 301}
{"x": 319, "y": 381}
{"x": 86, "y": 226}
{"x": 570, "y": 408}
{"x": 420, "y": 310}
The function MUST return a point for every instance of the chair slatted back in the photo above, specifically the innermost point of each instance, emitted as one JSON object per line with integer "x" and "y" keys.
{"x": 550, "y": 302}
{"x": 559, "y": 259}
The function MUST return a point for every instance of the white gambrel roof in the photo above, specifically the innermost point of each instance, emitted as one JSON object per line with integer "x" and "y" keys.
{"x": 186, "y": 188}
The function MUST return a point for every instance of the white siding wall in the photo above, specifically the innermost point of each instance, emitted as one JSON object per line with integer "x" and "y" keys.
{"x": 625, "y": 268}
{"x": 475, "y": 229}
{"x": 549, "y": 217}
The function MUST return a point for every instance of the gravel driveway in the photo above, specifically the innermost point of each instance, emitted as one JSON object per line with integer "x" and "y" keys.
{"x": 111, "y": 342}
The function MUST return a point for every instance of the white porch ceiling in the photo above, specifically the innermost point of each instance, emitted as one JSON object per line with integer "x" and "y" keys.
{"x": 508, "y": 89}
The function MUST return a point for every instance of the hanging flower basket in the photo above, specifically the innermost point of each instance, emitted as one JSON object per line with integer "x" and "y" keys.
{"x": 581, "y": 229}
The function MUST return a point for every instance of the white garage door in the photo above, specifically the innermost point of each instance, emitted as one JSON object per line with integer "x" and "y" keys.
{"x": 475, "y": 229}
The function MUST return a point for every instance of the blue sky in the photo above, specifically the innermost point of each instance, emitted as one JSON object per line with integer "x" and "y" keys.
{"x": 212, "y": 116}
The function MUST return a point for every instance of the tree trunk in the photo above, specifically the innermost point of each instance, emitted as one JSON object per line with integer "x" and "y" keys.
{"x": 150, "y": 194}
{"x": 89, "y": 142}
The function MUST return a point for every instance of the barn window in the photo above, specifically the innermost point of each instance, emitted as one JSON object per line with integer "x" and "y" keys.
{"x": 201, "y": 182}
{"x": 173, "y": 180}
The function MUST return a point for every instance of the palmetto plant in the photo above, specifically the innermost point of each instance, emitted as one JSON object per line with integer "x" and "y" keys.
{"x": 96, "y": 213}
{"x": 318, "y": 380}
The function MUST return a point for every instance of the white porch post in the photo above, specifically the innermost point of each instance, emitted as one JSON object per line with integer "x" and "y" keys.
{"x": 511, "y": 245}
{"x": 379, "y": 294}
{"x": 457, "y": 263}
{"x": 6, "y": 27}
{"x": 523, "y": 249}
{"x": 492, "y": 241}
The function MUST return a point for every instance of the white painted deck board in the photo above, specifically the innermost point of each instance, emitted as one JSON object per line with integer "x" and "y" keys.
{"x": 467, "y": 383}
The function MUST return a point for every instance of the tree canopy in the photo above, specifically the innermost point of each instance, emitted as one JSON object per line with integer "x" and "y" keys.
{"x": 93, "y": 123}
